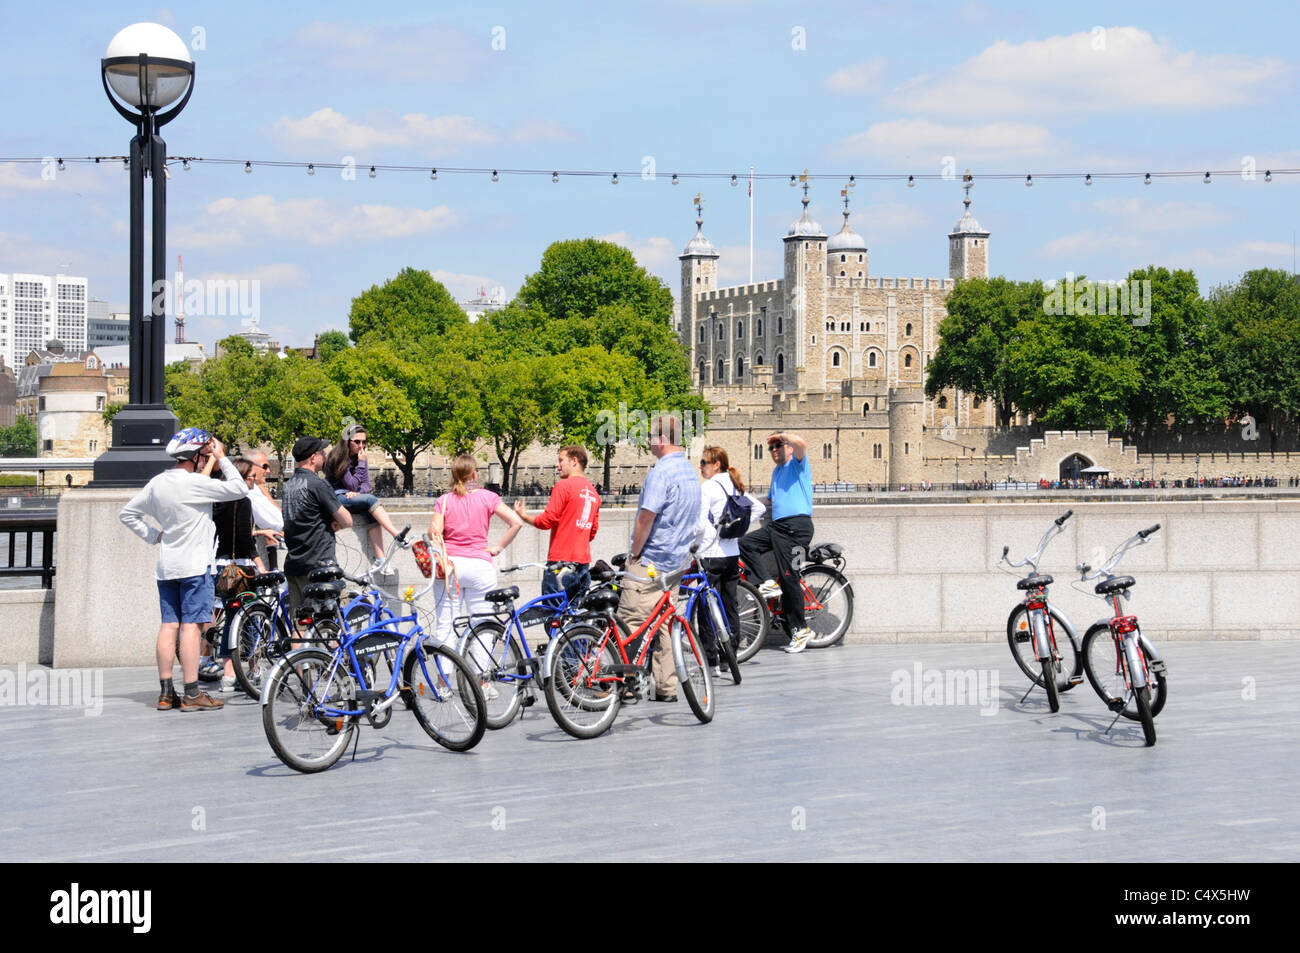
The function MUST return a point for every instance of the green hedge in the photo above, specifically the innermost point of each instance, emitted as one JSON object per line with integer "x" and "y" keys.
{"x": 17, "y": 479}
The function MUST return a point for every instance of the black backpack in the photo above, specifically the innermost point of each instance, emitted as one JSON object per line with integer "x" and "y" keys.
{"x": 734, "y": 521}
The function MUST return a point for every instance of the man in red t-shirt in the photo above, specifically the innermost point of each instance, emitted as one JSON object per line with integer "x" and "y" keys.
{"x": 572, "y": 515}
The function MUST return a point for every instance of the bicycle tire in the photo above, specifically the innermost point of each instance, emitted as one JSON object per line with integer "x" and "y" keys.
{"x": 733, "y": 663}
{"x": 444, "y": 694}
{"x": 254, "y": 634}
{"x": 1105, "y": 672}
{"x": 296, "y": 687}
{"x": 1020, "y": 639}
{"x": 582, "y": 703}
{"x": 1049, "y": 681}
{"x": 725, "y": 641}
{"x": 754, "y": 621}
{"x": 834, "y": 591}
{"x": 1142, "y": 697}
{"x": 495, "y": 656}
{"x": 695, "y": 681}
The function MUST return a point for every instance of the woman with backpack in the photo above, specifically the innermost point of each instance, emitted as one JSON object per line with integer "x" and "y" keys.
{"x": 723, "y": 506}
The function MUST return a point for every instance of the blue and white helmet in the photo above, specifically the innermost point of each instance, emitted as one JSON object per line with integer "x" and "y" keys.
{"x": 184, "y": 445}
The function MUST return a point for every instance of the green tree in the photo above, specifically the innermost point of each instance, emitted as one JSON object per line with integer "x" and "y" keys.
{"x": 20, "y": 439}
{"x": 1176, "y": 354}
{"x": 225, "y": 394}
{"x": 1258, "y": 326}
{"x": 579, "y": 277}
{"x": 411, "y": 307}
{"x": 296, "y": 399}
{"x": 976, "y": 337}
{"x": 329, "y": 343}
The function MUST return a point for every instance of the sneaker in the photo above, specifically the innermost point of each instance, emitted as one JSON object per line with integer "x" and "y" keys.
{"x": 228, "y": 685}
{"x": 201, "y": 702}
{"x": 490, "y": 691}
{"x": 769, "y": 589}
{"x": 665, "y": 698}
{"x": 799, "y": 640}
{"x": 210, "y": 670}
{"x": 717, "y": 671}
{"x": 169, "y": 700}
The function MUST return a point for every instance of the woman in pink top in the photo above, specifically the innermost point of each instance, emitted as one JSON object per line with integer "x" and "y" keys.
{"x": 460, "y": 528}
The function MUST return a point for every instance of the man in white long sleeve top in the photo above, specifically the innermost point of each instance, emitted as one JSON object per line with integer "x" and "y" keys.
{"x": 180, "y": 502}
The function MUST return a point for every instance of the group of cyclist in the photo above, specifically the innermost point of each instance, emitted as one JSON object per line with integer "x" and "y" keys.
{"x": 676, "y": 512}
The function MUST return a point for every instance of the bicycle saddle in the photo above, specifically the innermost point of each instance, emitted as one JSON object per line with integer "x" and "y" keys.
{"x": 508, "y": 594}
{"x": 600, "y": 600}
{"x": 1107, "y": 586}
{"x": 620, "y": 560}
{"x": 267, "y": 580}
{"x": 325, "y": 574}
{"x": 321, "y": 590}
{"x": 1034, "y": 580}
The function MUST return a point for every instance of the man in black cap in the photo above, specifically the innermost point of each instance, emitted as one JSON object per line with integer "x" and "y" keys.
{"x": 311, "y": 514}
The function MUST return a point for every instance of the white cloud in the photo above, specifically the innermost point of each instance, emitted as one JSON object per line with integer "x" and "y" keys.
{"x": 871, "y": 220}
{"x": 1090, "y": 241}
{"x": 230, "y": 221}
{"x": 21, "y": 253}
{"x": 928, "y": 142}
{"x": 860, "y": 79}
{"x": 285, "y": 275}
{"x": 1166, "y": 216}
{"x": 328, "y": 127}
{"x": 407, "y": 53}
{"x": 28, "y": 178}
{"x": 1243, "y": 256}
{"x": 1120, "y": 69}
{"x": 465, "y": 286}
{"x": 656, "y": 254}
{"x": 733, "y": 265}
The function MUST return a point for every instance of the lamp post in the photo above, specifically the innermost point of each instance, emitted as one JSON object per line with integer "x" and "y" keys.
{"x": 148, "y": 77}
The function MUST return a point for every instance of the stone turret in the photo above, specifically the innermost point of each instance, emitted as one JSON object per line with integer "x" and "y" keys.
{"x": 699, "y": 274}
{"x": 968, "y": 243}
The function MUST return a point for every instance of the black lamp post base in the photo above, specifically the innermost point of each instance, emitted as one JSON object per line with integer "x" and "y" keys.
{"x": 139, "y": 450}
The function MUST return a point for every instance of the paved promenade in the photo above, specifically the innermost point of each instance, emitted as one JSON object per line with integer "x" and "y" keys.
{"x": 810, "y": 758}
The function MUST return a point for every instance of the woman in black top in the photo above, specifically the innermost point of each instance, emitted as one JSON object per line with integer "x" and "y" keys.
{"x": 235, "y": 543}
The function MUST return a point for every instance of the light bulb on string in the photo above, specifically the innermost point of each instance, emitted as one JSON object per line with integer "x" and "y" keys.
{"x": 1029, "y": 181}
{"x": 1147, "y": 179}
{"x": 1206, "y": 180}
{"x": 1268, "y": 175}
{"x": 911, "y": 182}
{"x": 733, "y": 182}
{"x": 185, "y": 164}
{"x": 1087, "y": 179}
{"x": 311, "y": 168}
{"x": 675, "y": 182}
{"x": 433, "y": 175}
{"x": 372, "y": 171}
{"x": 791, "y": 181}
{"x": 495, "y": 177}
{"x": 613, "y": 179}
{"x": 555, "y": 177}
{"x": 60, "y": 167}
{"x": 248, "y": 167}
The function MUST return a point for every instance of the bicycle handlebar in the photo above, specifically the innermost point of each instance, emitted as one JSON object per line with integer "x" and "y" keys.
{"x": 1137, "y": 539}
{"x": 1060, "y": 520}
{"x": 1058, "y": 526}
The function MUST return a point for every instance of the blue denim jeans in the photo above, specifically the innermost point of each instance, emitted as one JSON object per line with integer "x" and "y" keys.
{"x": 361, "y": 503}
{"x": 574, "y": 581}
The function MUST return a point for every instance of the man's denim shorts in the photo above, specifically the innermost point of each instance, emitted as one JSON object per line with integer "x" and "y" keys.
{"x": 186, "y": 600}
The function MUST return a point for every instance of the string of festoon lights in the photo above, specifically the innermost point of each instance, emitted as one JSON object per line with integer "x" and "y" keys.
{"x": 735, "y": 178}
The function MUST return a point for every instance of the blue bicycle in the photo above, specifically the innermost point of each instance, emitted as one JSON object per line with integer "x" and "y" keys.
{"x": 314, "y": 698}
{"x": 495, "y": 646}
{"x": 704, "y": 605}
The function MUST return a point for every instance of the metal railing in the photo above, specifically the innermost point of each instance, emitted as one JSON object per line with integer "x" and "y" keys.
{"x": 28, "y": 527}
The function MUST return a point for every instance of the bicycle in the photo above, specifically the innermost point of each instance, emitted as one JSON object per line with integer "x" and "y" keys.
{"x": 1033, "y": 623}
{"x": 827, "y": 597}
{"x": 704, "y": 604}
{"x": 1123, "y": 665}
{"x": 588, "y": 671}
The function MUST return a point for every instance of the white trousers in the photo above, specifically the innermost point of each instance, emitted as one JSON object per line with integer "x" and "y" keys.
{"x": 476, "y": 576}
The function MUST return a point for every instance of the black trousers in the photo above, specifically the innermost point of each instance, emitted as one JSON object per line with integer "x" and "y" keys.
{"x": 723, "y": 573}
{"x": 781, "y": 539}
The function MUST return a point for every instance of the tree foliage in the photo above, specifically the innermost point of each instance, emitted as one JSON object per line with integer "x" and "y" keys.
{"x": 20, "y": 440}
{"x": 411, "y": 307}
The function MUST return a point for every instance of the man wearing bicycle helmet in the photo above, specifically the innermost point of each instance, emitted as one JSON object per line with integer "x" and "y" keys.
{"x": 180, "y": 502}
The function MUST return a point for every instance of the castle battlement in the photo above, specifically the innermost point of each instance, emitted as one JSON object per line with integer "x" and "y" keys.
{"x": 740, "y": 291}
{"x": 896, "y": 284}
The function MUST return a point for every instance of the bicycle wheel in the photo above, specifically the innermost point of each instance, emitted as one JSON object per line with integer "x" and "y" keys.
{"x": 301, "y": 735}
{"x": 831, "y": 589}
{"x": 696, "y": 681}
{"x": 754, "y": 621}
{"x": 1020, "y": 638}
{"x": 1049, "y": 679}
{"x": 253, "y": 634}
{"x": 1142, "y": 698}
{"x": 583, "y": 701}
{"x": 495, "y": 657}
{"x": 445, "y": 695}
{"x": 711, "y": 623}
{"x": 1104, "y": 665}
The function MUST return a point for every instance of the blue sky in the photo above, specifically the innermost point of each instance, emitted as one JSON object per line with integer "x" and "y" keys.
{"x": 710, "y": 85}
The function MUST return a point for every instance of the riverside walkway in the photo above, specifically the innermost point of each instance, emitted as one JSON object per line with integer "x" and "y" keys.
{"x": 832, "y": 754}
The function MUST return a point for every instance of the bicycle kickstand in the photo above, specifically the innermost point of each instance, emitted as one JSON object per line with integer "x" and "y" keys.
{"x": 1026, "y": 694}
{"x": 1118, "y": 707}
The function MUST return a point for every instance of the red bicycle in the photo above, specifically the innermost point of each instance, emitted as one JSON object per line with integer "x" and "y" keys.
{"x": 827, "y": 601}
{"x": 587, "y": 669}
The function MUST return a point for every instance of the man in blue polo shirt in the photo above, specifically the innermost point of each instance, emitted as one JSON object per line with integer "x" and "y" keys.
{"x": 667, "y": 514}
{"x": 790, "y": 531}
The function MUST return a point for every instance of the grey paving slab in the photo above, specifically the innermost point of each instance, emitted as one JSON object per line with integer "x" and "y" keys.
{"x": 812, "y": 757}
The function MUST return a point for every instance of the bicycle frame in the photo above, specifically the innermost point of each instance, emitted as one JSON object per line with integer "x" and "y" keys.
{"x": 697, "y": 584}
{"x": 1124, "y": 629}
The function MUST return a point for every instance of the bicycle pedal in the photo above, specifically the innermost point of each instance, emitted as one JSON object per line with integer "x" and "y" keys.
{"x": 1115, "y": 704}
{"x": 1076, "y": 680}
{"x": 526, "y": 700}
{"x": 1158, "y": 666}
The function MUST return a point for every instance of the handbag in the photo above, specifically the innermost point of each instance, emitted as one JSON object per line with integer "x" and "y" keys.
{"x": 230, "y": 581}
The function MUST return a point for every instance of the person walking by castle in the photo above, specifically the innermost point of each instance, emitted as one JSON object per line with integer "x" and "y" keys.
{"x": 788, "y": 535}
{"x": 572, "y": 515}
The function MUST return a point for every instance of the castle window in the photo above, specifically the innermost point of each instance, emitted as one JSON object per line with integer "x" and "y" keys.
{"x": 758, "y": 329}
{"x": 99, "y": 403}
{"x": 877, "y": 451}
{"x": 722, "y": 372}
{"x": 859, "y": 259}
{"x": 977, "y": 403}
{"x": 906, "y": 449}
{"x": 704, "y": 373}
{"x": 780, "y": 321}
{"x": 871, "y": 359}
{"x": 842, "y": 273}
{"x": 701, "y": 334}
{"x": 835, "y": 359}
{"x": 843, "y": 258}
{"x": 862, "y": 325}
{"x": 740, "y": 369}
{"x": 943, "y": 403}
{"x": 740, "y": 329}
{"x": 758, "y": 451}
{"x": 907, "y": 360}
{"x": 859, "y": 274}
{"x": 697, "y": 281}
{"x": 780, "y": 363}
{"x": 40, "y": 402}
{"x": 826, "y": 451}
{"x": 908, "y": 331}
{"x": 814, "y": 339}
{"x": 719, "y": 332}
{"x": 758, "y": 360}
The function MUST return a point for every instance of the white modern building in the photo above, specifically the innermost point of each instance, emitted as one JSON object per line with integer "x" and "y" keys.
{"x": 35, "y": 309}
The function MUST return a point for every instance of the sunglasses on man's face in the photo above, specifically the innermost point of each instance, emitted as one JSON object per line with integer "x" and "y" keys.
{"x": 264, "y": 466}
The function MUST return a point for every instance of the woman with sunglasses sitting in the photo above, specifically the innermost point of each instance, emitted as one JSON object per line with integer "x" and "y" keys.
{"x": 348, "y": 474}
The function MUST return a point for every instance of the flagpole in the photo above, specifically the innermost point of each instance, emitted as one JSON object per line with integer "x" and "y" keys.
{"x": 751, "y": 224}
